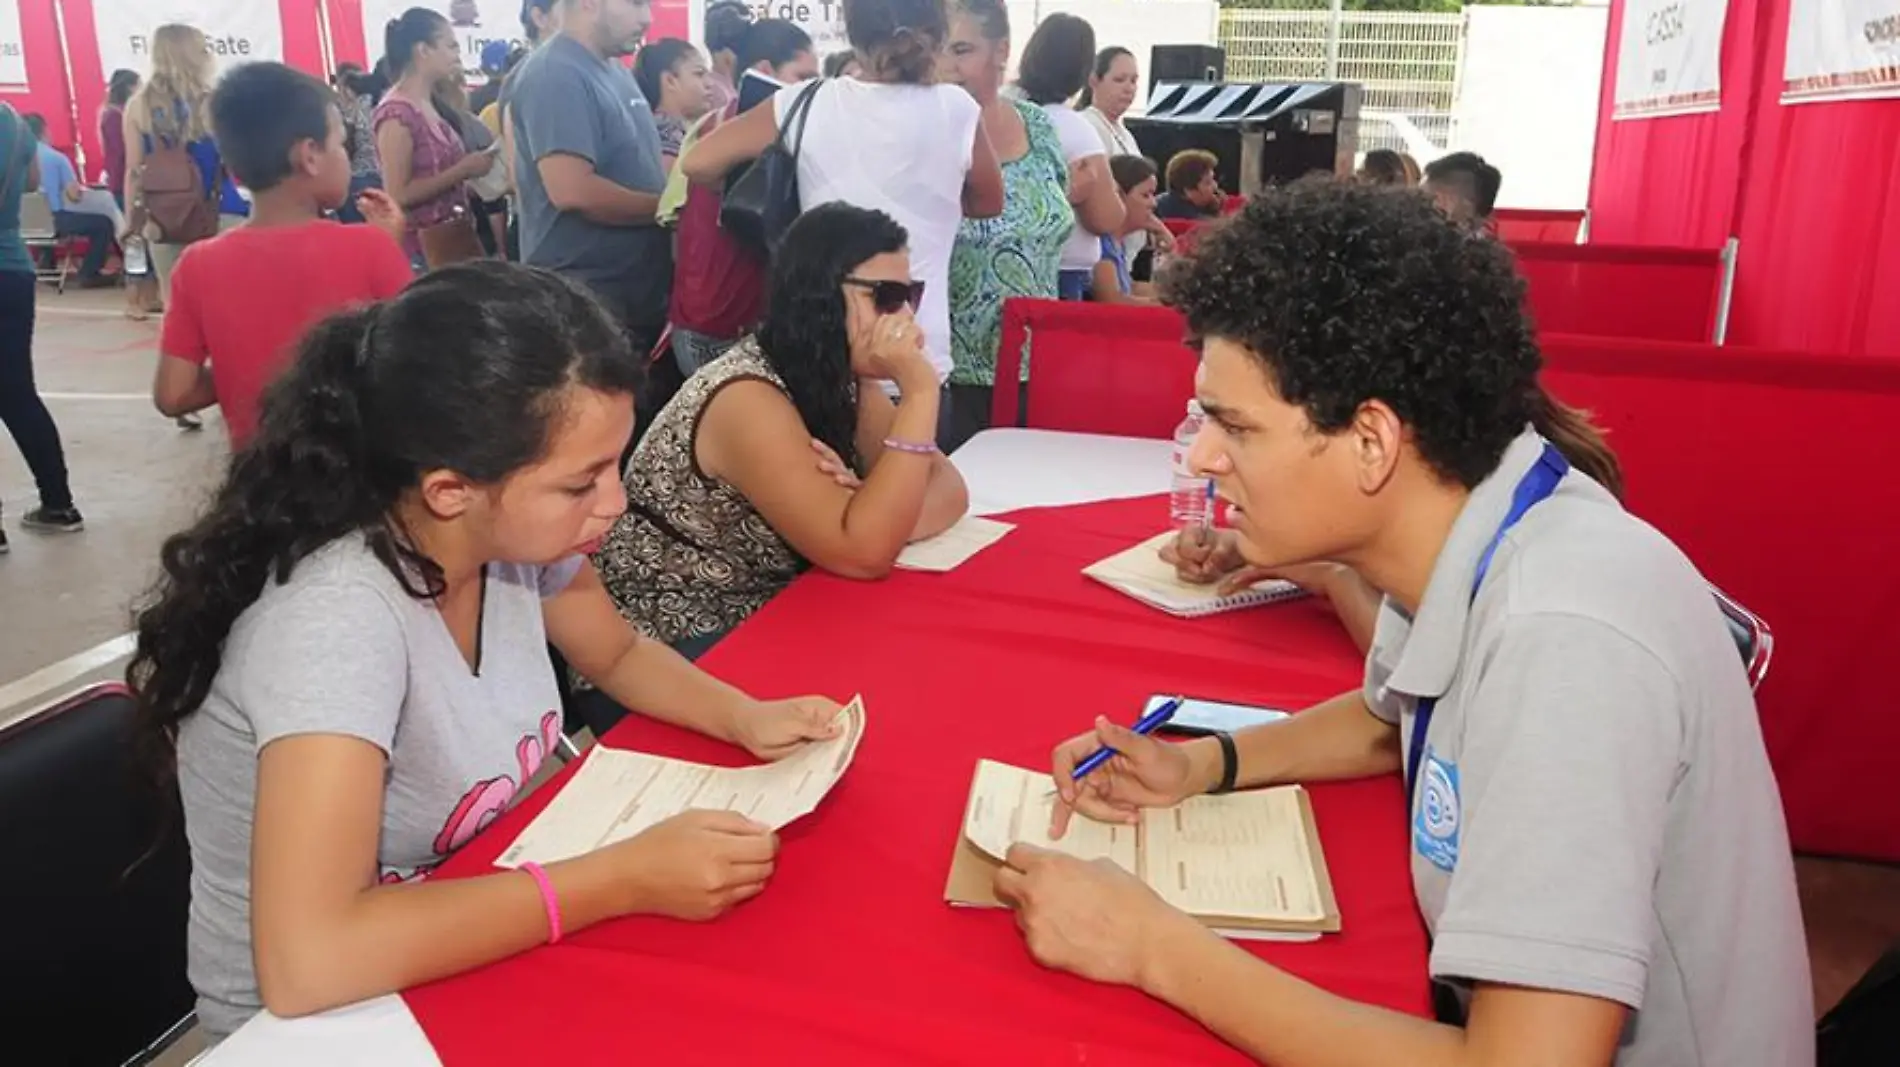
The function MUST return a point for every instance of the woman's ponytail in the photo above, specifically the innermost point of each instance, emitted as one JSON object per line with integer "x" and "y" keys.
{"x": 402, "y": 34}
{"x": 1580, "y": 441}
{"x": 304, "y": 482}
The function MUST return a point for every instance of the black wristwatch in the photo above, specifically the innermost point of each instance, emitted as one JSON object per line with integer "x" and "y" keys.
{"x": 1229, "y": 762}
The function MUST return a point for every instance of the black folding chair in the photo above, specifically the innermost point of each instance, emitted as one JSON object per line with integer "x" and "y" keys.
{"x": 1863, "y": 1030}
{"x": 95, "y": 890}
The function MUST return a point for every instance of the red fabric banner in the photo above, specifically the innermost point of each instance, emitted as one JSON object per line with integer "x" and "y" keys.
{"x": 1719, "y": 449}
{"x": 1820, "y": 220}
{"x": 1675, "y": 181}
{"x": 45, "y": 90}
{"x": 851, "y": 955}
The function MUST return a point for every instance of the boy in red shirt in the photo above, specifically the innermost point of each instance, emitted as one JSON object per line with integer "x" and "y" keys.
{"x": 241, "y": 301}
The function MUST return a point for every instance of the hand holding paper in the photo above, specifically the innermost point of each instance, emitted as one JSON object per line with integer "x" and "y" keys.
{"x": 1248, "y": 864}
{"x": 618, "y": 794}
{"x": 774, "y": 729}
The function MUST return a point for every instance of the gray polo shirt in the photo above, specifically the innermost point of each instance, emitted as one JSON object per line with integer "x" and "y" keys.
{"x": 565, "y": 100}
{"x": 1595, "y": 811}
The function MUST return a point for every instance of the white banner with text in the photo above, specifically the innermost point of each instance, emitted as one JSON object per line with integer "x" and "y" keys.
{"x": 1842, "y": 50}
{"x": 1669, "y": 60}
{"x": 12, "y": 47}
{"x": 237, "y": 32}
{"x": 477, "y": 24}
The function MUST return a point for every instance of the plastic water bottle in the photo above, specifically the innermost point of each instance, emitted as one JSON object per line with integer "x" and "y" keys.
{"x": 137, "y": 263}
{"x": 1187, "y": 497}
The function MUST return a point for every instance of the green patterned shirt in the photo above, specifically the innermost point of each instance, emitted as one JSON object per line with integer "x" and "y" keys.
{"x": 1016, "y": 253}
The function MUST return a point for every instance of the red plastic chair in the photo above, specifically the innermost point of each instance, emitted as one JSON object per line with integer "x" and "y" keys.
{"x": 1531, "y": 224}
{"x": 1095, "y": 368}
{"x": 1642, "y": 293}
{"x": 1185, "y": 231}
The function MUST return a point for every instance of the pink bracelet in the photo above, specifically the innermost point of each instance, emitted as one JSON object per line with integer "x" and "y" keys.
{"x": 548, "y": 898}
{"x": 913, "y": 447}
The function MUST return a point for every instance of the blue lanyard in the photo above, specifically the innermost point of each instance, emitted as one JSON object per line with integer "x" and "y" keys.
{"x": 1536, "y": 485}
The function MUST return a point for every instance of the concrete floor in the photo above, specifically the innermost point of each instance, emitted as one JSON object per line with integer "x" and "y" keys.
{"x": 136, "y": 476}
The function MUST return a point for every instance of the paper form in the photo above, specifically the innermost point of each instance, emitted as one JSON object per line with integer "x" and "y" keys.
{"x": 952, "y": 548}
{"x": 617, "y": 794}
{"x": 1240, "y": 856}
{"x": 1009, "y": 805}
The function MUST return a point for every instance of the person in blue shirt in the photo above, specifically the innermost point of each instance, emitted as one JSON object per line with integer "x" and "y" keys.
{"x": 59, "y": 181}
{"x": 1112, "y": 282}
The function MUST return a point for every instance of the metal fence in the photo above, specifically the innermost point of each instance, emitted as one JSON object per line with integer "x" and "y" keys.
{"x": 1408, "y": 62}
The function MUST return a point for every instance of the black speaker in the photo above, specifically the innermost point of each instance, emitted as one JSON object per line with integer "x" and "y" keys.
{"x": 1187, "y": 63}
{"x": 1262, "y": 133}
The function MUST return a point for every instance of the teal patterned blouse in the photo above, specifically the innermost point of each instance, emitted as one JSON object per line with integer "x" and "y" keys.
{"x": 1016, "y": 253}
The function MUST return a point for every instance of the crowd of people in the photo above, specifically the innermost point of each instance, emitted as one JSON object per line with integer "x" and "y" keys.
{"x": 434, "y": 478}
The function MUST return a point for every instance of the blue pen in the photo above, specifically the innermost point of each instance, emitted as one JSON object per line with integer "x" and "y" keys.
{"x": 1145, "y": 726}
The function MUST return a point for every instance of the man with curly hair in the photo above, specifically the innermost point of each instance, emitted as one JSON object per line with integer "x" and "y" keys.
{"x": 1597, "y": 845}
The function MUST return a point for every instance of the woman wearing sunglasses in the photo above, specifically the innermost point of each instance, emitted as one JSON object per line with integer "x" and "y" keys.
{"x": 784, "y": 453}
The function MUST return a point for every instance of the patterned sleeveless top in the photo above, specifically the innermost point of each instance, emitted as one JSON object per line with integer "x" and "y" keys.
{"x": 692, "y": 557}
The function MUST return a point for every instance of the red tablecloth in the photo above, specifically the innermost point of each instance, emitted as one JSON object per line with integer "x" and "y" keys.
{"x": 851, "y": 956}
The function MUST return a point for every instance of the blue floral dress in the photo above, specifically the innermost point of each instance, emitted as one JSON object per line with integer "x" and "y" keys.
{"x": 1017, "y": 253}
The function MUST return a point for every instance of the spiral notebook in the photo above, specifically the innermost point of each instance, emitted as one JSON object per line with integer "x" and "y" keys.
{"x": 1141, "y": 573}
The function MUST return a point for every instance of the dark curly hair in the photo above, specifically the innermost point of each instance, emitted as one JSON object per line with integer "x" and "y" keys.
{"x": 804, "y": 334}
{"x": 1348, "y": 292}
{"x": 467, "y": 371}
{"x": 1056, "y": 62}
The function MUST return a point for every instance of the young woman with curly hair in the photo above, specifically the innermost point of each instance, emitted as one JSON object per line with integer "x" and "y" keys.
{"x": 1596, "y": 842}
{"x": 346, "y": 660}
{"x": 784, "y": 453}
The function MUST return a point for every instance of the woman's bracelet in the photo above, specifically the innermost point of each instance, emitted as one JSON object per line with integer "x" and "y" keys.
{"x": 915, "y": 448}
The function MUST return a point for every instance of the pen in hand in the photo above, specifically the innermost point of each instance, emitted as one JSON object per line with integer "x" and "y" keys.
{"x": 1147, "y": 724}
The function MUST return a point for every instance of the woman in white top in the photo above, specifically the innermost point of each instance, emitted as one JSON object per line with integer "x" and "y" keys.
{"x": 890, "y": 139}
{"x": 1113, "y": 84}
{"x": 1055, "y": 66}
{"x": 1110, "y": 93}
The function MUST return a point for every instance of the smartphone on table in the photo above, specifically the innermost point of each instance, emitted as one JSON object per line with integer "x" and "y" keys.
{"x": 1199, "y": 718}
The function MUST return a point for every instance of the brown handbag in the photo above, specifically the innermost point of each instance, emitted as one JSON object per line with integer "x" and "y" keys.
{"x": 450, "y": 242}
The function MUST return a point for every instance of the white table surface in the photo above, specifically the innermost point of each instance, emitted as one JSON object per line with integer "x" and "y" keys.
{"x": 1005, "y": 470}
{"x": 1011, "y": 469}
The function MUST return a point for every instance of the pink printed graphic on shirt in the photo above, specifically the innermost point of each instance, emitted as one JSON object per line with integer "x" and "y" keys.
{"x": 487, "y": 799}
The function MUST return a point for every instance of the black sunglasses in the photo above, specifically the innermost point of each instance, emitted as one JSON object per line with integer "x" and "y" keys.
{"x": 890, "y": 297}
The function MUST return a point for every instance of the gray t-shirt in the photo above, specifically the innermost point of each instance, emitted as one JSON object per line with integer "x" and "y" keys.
{"x": 1595, "y": 810}
{"x": 567, "y": 101}
{"x": 342, "y": 649}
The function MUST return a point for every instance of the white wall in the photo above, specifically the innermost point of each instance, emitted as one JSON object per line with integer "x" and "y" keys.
{"x": 1137, "y": 25}
{"x": 1528, "y": 101}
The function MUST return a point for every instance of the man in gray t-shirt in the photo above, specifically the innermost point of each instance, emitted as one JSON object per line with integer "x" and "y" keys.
{"x": 588, "y": 168}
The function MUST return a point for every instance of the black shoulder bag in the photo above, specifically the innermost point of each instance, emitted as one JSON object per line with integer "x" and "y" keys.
{"x": 761, "y": 204}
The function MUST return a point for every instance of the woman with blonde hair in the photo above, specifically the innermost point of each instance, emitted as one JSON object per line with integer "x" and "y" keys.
{"x": 172, "y": 111}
